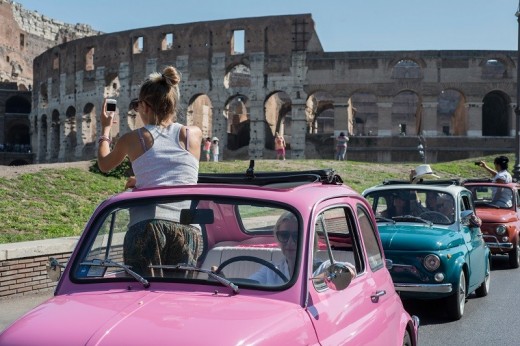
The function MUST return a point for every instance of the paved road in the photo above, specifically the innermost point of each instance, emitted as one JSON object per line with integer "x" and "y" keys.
{"x": 12, "y": 308}
{"x": 491, "y": 320}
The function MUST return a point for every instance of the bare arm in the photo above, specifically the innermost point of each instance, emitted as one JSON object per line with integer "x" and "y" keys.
{"x": 108, "y": 159}
{"x": 194, "y": 135}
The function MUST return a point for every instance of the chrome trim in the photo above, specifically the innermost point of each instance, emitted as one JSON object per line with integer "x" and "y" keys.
{"x": 506, "y": 246}
{"x": 426, "y": 288}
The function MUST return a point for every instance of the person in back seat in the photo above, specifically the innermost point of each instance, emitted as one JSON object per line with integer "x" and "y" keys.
{"x": 286, "y": 233}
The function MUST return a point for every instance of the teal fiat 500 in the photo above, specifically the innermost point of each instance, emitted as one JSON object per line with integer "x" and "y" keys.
{"x": 432, "y": 242}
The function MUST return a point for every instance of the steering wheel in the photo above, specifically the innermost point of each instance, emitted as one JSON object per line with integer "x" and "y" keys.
{"x": 435, "y": 216}
{"x": 252, "y": 259}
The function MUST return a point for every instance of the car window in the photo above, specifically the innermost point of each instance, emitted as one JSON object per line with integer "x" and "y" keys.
{"x": 412, "y": 205}
{"x": 248, "y": 242}
{"x": 335, "y": 240}
{"x": 492, "y": 195}
{"x": 368, "y": 231}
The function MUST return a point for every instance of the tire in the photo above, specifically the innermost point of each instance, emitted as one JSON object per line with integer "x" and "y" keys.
{"x": 457, "y": 300}
{"x": 407, "y": 340}
{"x": 483, "y": 289}
{"x": 514, "y": 256}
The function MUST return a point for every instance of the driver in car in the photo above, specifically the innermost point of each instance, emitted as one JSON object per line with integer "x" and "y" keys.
{"x": 286, "y": 235}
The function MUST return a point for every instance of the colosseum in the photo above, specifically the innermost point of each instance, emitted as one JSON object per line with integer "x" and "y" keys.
{"x": 246, "y": 79}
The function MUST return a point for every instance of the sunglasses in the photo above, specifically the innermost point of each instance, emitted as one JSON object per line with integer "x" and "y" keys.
{"x": 283, "y": 236}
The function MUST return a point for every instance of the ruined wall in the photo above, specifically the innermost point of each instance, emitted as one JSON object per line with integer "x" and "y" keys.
{"x": 227, "y": 85}
{"x": 26, "y": 34}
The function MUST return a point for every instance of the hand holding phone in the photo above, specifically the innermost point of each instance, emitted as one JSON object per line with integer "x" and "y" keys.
{"x": 111, "y": 105}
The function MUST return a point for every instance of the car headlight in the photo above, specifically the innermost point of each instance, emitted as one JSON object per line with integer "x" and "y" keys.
{"x": 432, "y": 262}
{"x": 501, "y": 230}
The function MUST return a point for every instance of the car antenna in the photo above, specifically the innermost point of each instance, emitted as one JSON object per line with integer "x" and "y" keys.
{"x": 250, "y": 172}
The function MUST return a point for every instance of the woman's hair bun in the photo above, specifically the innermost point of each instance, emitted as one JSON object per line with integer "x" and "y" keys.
{"x": 171, "y": 76}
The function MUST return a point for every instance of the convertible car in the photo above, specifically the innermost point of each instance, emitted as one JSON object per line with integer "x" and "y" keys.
{"x": 238, "y": 259}
{"x": 498, "y": 207}
{"x": 432, "y": 239}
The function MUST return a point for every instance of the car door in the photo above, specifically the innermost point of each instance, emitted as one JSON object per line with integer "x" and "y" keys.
{"x": 367, "y": 311}
{"x": 474, "y": 241}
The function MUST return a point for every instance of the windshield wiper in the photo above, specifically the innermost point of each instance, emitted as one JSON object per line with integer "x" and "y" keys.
{"x": 382, "y": 218}
{"x": 184, "y": 266}
{"x": 109, "y": 263}
{"x": 411, "y": 218}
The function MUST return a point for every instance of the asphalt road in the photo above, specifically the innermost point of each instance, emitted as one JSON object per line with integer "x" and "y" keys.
{"x": 492, "y": 320}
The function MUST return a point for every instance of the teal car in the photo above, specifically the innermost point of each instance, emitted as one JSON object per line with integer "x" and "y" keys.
{"x": 432, "y": 242}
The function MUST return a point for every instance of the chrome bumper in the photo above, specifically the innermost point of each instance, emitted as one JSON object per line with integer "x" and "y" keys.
{"x": 424, "y": 288}
{"x": 493, "y": 243}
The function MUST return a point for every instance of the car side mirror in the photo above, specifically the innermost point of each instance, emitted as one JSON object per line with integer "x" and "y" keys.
{"x": 338, "y": 276}
{"x": 54, "y": 269}
{"x": 389, "y": 264}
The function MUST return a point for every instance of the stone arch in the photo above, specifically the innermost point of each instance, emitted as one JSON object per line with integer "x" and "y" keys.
{"x": 55, "y": 135}
{"x": 238, "y": 122}
{"x": 42, "y": 150}
{"x": 278, "y": 118}
{"x": 406, "y": 114}
{"x": 43, "y": 95}
{"x": 70, "y": 133}
{"x": 18, "y": 104}
{"x": 495, "y": 68}
{"x": 407, "y": 68}
{"x": 496, "y": 112}
{"x": 237, "y": 76}
{"x": 319, "y": 112}
{"x": 452, "y": 115}
{"x": 17, "y": 138}
{"x": 200, "y": 113}
{"x": 88, "y": 131}
{"x": 363, "y": 107}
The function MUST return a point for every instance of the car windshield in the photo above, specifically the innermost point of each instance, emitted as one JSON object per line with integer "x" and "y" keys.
{"x": 212, "y": 241}
{"x": 492, "y": 196}
{"x": 412, "y": 205}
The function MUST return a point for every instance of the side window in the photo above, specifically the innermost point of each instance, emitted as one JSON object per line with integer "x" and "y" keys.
{"x": 368, "y": 232}
{"x": 335, "y": 240}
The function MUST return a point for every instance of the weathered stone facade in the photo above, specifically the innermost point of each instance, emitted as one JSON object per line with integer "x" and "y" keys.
{"x": 246, "y": 79}
{"x": 24, "y": 35}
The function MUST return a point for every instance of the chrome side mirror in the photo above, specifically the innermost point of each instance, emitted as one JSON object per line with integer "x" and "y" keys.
{"x": 54, "y": 269}
{"x": 389, "y": 264}
{"x": 338, "y": 276}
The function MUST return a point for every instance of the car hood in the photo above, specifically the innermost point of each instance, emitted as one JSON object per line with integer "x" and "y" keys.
{"x": 409, "y": 236}
{"x": 492, "y": 215}
{"x": 158, "y": 318}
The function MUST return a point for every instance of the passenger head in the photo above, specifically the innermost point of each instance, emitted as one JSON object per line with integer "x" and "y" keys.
{"x": 342, "y": 133}
{"x": 431, "y": 200}
{"x": 160, "y": 93}
{"x": 446, "y": 206}
{"x": 501, "y": 162}
{"x": 286, "y": 234}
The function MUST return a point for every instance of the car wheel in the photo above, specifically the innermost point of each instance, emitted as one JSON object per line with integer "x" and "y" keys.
{"x": 407, "y": 340}
{"x": 483, "y": 289}
{"x": 457, "y": 301}
{"x": 514, "y": 256}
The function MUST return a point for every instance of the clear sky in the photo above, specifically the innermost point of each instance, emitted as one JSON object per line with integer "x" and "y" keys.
{"x": 342, "y": 25}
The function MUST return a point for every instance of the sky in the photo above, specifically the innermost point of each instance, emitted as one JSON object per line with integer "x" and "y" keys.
{"x": 342, "y": 25}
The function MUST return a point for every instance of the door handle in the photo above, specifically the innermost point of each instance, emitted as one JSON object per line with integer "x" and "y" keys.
{"x": 375, "y": 297}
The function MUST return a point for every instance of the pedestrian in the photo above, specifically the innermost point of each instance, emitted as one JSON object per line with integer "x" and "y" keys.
{"x": 214, "y": 149}
{"x": 500, "y": 173}
{"x": 341, "y": 147}
{"x": 163, "y": 152}
{"x": 206, "y": 149}
{"x": 279, "y": 146}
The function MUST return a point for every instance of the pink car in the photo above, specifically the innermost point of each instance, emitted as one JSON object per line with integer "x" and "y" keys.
{"x": 256, "y": 259}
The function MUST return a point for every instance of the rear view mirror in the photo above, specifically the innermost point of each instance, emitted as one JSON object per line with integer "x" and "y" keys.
{"x": 197, "y": 216}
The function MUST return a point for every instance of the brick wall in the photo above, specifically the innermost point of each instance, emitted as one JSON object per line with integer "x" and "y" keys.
{"x": 23, "y": 266}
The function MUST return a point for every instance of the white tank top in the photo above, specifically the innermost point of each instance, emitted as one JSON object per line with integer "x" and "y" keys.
{"x": 166, "y": 163}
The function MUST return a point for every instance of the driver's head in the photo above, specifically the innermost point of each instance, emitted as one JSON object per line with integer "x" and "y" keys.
{"x": 286, "y": 234}
{"x": 431, "y": 200}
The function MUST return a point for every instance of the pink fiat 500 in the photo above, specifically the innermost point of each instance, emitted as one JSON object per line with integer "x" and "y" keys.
{"x": 255, "y": 259}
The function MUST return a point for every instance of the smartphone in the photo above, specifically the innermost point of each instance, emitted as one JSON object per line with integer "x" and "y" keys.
{"x": 111, "y": 105}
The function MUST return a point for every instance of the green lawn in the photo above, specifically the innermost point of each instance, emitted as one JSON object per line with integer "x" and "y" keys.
{"x": 56, "y": 203}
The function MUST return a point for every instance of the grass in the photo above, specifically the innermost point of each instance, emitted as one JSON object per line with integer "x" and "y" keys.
{"x": 55, "y": 203}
